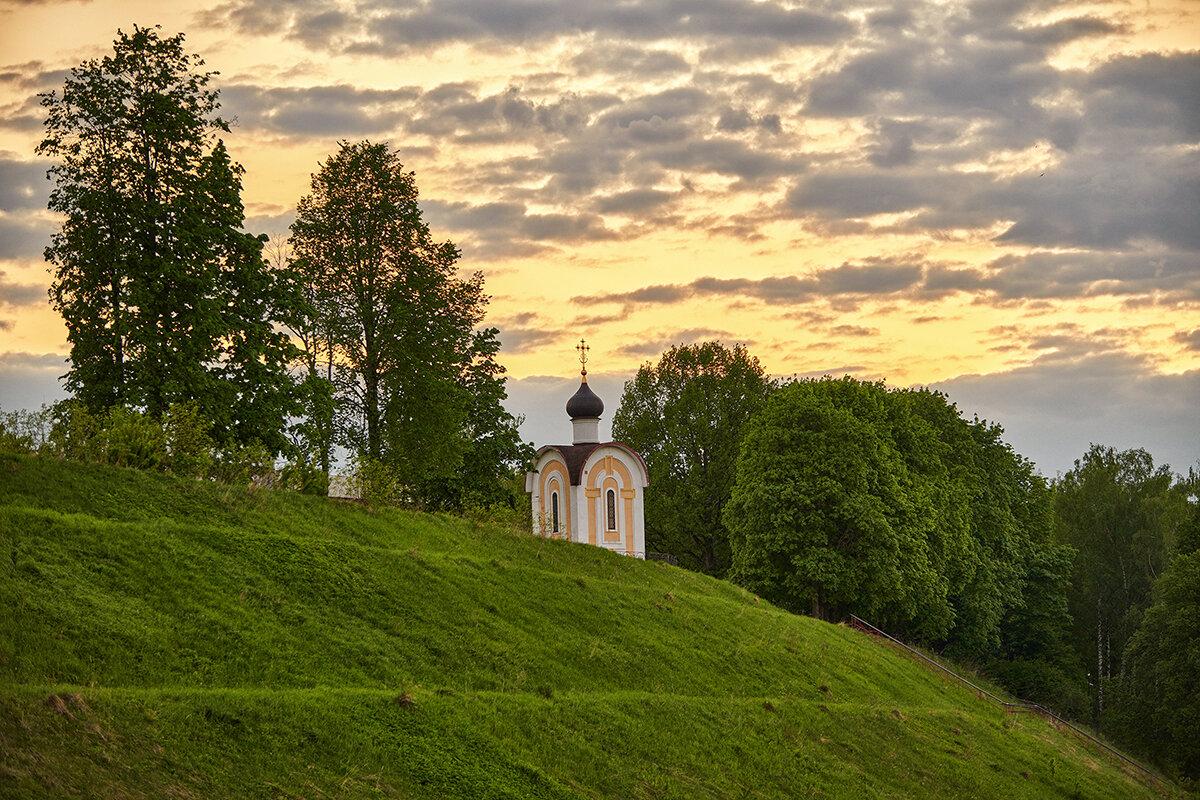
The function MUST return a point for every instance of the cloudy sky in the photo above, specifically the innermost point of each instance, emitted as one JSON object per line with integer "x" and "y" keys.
{"x": 997, "y": 198}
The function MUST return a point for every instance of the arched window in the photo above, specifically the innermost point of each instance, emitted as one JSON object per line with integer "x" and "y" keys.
{"x": 554, "y": 512}
{"x": 610, "y": 499}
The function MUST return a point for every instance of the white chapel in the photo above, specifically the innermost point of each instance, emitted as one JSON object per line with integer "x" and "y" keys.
{"x": 589, "y": 491}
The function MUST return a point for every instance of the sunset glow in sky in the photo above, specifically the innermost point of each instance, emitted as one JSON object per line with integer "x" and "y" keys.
{"x": 998, "y": 198}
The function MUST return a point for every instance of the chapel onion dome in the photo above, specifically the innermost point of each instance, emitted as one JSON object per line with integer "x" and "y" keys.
{"x": 585, "y": 404}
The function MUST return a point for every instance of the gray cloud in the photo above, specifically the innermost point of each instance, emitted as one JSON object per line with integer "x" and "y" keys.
{"x": 673, "y": 104}
{"x": 1064, "y": 31}
{"x": 318, "y": 111}
{"x": 24, "y": 236}
{"x": 494, "y": 230}
{"x": 1103, "y": 199}
{"x": 629, "y": 62}
{"x": 1037, "y": 276}
{"x": 523, "y": 333}
{"x": 20, "y": 294}
{"x": 1053, "y": 409}
{"x": 273, "y": 224}
{"x": 879, "y": 278}
{"x": 33, "y": 361}
{"x": 1189, "y": 339}
{"x": 23, "y": 184}
{"x": 1153, "y": 90}
{"x": 1089, "y": 274}
{"x": 377, "y": 27}
{"x": 651, "y": 345}
{"x": 853, "y": 330}
{"x": 29, "y": 380}
{"x": 1107, "y": 201}
{"x": 634, "y": 202}
{"x": 32, "y": 76}
{"x": 864, "y": 193}
{"x": 937, "y": 89}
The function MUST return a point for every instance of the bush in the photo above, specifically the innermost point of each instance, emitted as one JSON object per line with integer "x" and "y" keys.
{"x": 299, "y": 475}
{"x": 502, "y": 514}
{"x": 133, "y": 439}
{"x": 189, "y": 445}
{"x": 75, "y": 432}
{"x": 123, "y": 437}
{"x": 248, "y": 464}
{"x": 374, "y": 482}
{"x": 24, "y": 431}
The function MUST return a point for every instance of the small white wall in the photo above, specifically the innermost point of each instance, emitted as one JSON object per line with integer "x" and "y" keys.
{"x": 606, "y": 466}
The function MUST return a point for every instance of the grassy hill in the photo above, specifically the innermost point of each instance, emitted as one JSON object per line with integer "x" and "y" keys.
{"x": 170, "y": 638}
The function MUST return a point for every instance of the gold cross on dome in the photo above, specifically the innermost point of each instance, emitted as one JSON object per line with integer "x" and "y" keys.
{"x": 583, "y": 351}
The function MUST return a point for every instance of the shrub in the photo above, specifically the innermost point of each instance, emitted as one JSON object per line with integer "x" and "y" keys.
{"x": 132, "y": 438}
{"x": 24, "y": 431}
{"x": 189, "y": 443}
{"x": 248, "y": 464}
{"x": 374, "y": 482}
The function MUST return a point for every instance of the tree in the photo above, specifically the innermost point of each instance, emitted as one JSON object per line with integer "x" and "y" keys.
{"x": 992, "y": 538}
{"x": 825, "y": 515}
{"x": 312, "y": 432}
{"x": 494, "y": 453}
{"x": 395, "y": 320}
{"x": 686, "y": 416}
{"x": 166, "y": 299}
{"x": 1156, "y": 698}
{"x": 1120, "y": 513}
{"x": 852, "y": 498}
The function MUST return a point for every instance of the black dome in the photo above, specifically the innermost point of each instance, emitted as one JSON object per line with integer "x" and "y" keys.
{"x": 584, "y": 404}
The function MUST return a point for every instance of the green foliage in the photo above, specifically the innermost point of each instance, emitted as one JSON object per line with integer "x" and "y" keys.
{"x": 1155, "y": 700}
{"x": 374, "y": 482}
{"x": 75, "y": 432}
{"x": 993, "y": 538}
{"x": 888, "y": 504}
{"x": 312, "y": 433}
{"x": 190, "y": 448}
{"x": 1188, "y": 537}
{"x": 119, "y": 436}
{"x": 175, "y": 638}
{"x": 177, "y": 443}
{"x": 685, "y": 416}
{"x": 132, "y": 439}
{"x": 1120, "y": 513}
{"x": 300, "y": 475}
{"x": 165, "y": 298}
{"x": 414, "y": 386}
{"x": 25, "y": 431}
{"x": 493, "y": 452}
{"x": 244, "y": 465}
{"x": 823, "y": 516}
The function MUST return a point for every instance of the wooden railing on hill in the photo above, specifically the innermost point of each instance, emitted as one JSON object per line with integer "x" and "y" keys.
{"x": 1017, "y": 707}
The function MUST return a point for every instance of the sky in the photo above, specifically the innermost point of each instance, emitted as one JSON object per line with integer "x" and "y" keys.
{"x": 998, "y": 199}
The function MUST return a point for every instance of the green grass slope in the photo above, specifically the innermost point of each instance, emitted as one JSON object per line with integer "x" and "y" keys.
{"x": 168, "y": 638}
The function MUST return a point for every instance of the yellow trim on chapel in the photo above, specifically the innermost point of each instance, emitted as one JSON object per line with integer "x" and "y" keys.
{"x": 557, "y": 469}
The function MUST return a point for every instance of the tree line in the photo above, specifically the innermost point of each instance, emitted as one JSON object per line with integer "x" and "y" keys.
{"x": 837, "y": 496}
{"x": 365, "y": 337}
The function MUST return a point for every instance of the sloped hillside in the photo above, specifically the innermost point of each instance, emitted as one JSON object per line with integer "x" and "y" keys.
{"x": 168, "y": 638}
